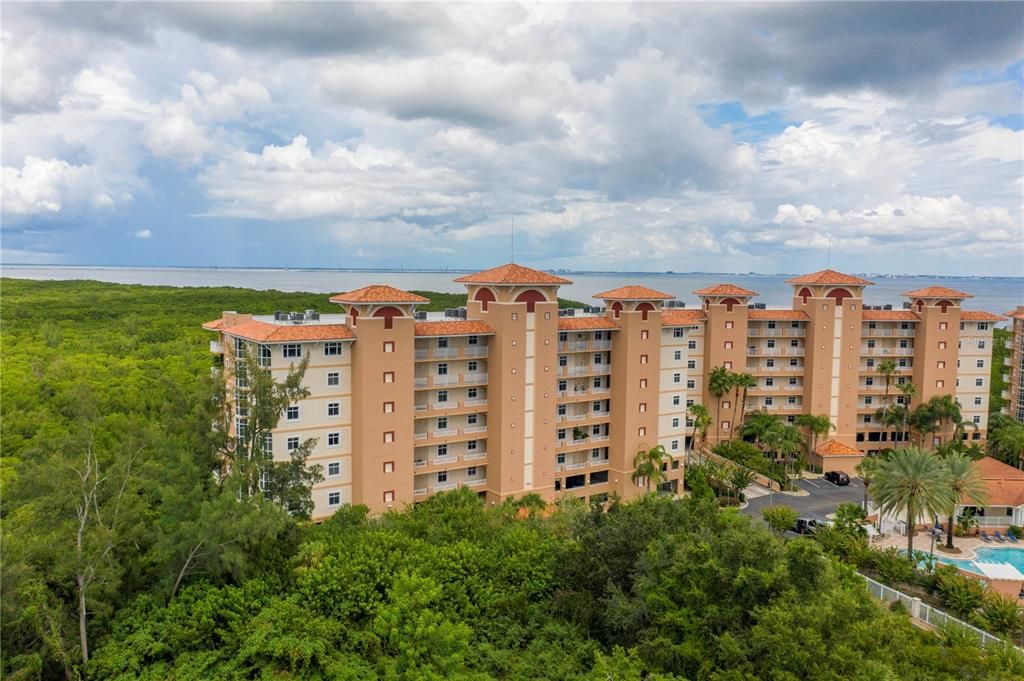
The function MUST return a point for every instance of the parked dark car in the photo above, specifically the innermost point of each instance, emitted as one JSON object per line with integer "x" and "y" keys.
{"x": 837, "y": 478}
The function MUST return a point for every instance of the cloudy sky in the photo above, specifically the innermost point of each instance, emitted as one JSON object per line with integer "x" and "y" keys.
{"x": 714, "y": 137}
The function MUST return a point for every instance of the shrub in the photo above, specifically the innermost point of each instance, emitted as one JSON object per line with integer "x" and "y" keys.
{"x": 1016, "y": 530}
{"x": 1000, "y": 615}
{"x": 892, "y": 566}
{"x": 779, "y": 518}
{"x": 962, "y": 595}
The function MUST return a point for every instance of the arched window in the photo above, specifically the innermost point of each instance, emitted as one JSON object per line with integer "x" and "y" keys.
{"x": 805, "y": 293}
{"x": 944, "y": 305}
{"x": 644, "y": 308}
{"x": 353, "y": 314}
{"x": 616, "y": 309}
{"x": 839, "y": 295}
{"x": 388, "y": 313}
{"x": 484, "y": 295}
{"x": 729, "y": 302}
{"x": 919, "y": 305}
{"x": 531, "y": 298}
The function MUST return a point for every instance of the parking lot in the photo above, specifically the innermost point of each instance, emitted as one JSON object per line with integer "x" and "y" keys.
{"x": 823, "y": 497}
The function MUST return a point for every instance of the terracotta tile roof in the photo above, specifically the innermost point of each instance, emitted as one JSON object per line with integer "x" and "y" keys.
{"x": 682, "y": 317}
{"x": 889, "y": 316}
{"x": 795, "y": 315}
{"x": 830, "y": 277}
{"x": 467, "y": 327}
{"x": 634, "y": 293}
{"x": 1016, "y": 314}
{"x": 512, "y": 274}
{"x": 378, "y": 293}
{"x": 264, "y": 332}
{"x": 214, "y": 325}
{"x": 1005, "y": 483}
{"x": 725, "y": 290}
{"x": 936, "y": 292}
{"x": 979, "y": 316}
{"x": 835, "y": 448}
{"x": 585, "y": 323}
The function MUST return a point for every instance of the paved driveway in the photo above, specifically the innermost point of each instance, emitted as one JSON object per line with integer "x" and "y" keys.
{"x": 823, "y": 499}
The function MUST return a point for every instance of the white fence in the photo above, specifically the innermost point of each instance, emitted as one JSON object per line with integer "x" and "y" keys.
{"x": 924, "y": 612}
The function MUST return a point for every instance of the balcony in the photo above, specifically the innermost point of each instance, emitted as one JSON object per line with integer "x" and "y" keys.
{"x": 764, "y": 332}
{"x": 444, "y": 432}
{"x": 472, "y": 430}
{"x": 474, "y": 351}
{"x": 474, "y": 379}
{"x": 887, "y": 332}
{"x": 573, "y": 346}
{"x": 465, "y": 352}
{"x": 474, "y": 455}
{"x": 775, "y": 352}
{"x": 448, "y": 380}
{"x": 886, "y": 352}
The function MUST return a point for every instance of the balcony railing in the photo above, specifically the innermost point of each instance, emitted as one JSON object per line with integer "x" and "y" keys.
{"x": 475, "y": 351}
{"x": 420, "y": 463}
{"x": 760, "y": 331}
{"x": 443, "y": 486}
{"x": 475, "y": 482}
{"x": 449, "y": 458}
{"x": 467, "y": 351}
{"x": 474, "y": 455}
{"x": 601, "y": 345}
{"x": 447, "y": 380}
{"x": 475, "y": 402}
{"x": 444, "y": 432}
{"x": 876, "y": 332}
{"x": 474, "y": 379}
{"x": 469, "y": 430}
{"x": 573, "y": 346}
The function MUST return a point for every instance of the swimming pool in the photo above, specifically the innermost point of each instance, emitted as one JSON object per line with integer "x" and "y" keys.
{"x": 988, "y": 554}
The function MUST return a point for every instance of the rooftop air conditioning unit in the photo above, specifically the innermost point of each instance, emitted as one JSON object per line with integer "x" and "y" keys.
{"x": 906, "y": 305}
{"x": 296, "y": 316}
{"x": 563, "y": 313}
{"x": 313, "y": 315}
{"x": 886, "y": 307}
{"x": 280, "y": 316}
{"x": 422, "y": 316}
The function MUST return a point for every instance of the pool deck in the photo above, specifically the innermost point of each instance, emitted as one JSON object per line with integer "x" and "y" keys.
{"x": 923, "y": 542}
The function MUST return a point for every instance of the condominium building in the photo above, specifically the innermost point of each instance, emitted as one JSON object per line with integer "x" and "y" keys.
{"x": 1014, "y": 393}
{"x": 511, "y": 396}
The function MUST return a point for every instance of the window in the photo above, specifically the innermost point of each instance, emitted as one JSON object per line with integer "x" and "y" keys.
{"x": 982, "y": 326}
{"x": 595, "y": 430}
{"x": 334, "y": 498}
{"x": 239, "y": 348}
{"x": 769, "y": 363}
{"x": 442, "y": 369}
{"x": 904, "y": 343}
{"x": 977, "y": 401}
{"x": 981, "y": 345}
{"x": 641, "y": 431}
{"x": 263, "y": 358}
{"x": 643, "y": 407}
{"x": 442, "y": 423}
{"x": 472, "y": 340}
{"x": 769, "y": 401}
{"x": 942, "y": 345}
{"x": 561, "y": 433}
{"x": 291, "y": 350}
{"x": 943, "y": 326}
{"x": 471, "y": 419}
{"x": 389, "y": 376}
{"x": 442, "y": 476}
{"x": 940, "y": 365}
{"x": 562, "y": 385}
{"x": 691, "y": 384}
{"x": 771, "y": 325}
{"x": 241, "y": 424}
{"x": 727, "y": 404}
{"x": 562, "y": 410}
{"x": 676, "y": 378}
{"x": 643, "y": 383}
{"x": 940, "y": 384}
{"x": 771, "y": 344}
{"x": 902, "y": 363}
{"x": 442, "y": 450}
{"x": 692, "y": 345}
{"x": 333, "y": 439}
{"x": 981, "y": 364}
{"x": 389, "y": 346}
{"x": 332, "y": 348}
{"x": 471, "y": 393}
{"x": 471, "y": 366}
{"x": 868, "y": 399}
{"x": 678, "y": 333}
{"x": 676, "y": 400}
{"x": 563, "y": 337}
{"x": 389, "y": 436}
{"x": 333, "y": 378}
{"x": 976, "y": 419}
{"x": 292, "y": 444}
{"x": 727, "y": 365}
{"x": 442, "y": 396}
{"x": 871, "y": 343}
{"x": 794, "y": 362}
{"x": 595, "y": 406}
{"x": 389, "y": 466}
{"x": 643, "y": 334}
{"x": 791, "y": 400}
{"x": 675, "y": 445}
{"x": 792, "y": 381}
{"x": 677, "y": 355}
{"x": 442, "y": 342}
{"x": 691, "y": 364}
{"x": 292, "y": 413}
{"x": 560, "y": 459}
{"x": 643, "y": 359}
{"x": 979, "y": 382}
{"x": 867, "y": 418}
{"x": 333, "y": 469}
{"x": 675, "y": 422}
{"x": 471, "y": 445}
{"x": 689, "y": 403}
{"x": 389, "y": 407}
{"x": 333, "y": 408}
{"x": 769, "y": 381}
{"x": 471, "y": 471}
{"x": 563, "y": 360}
{"x": 728, "y": 325}
{"x": 389, "y": 496}
{"x": 728, "y": 345}
{"x": 871, "y": 363}
{"x": 268, "y": 444}
{"x": 794, "y": 343}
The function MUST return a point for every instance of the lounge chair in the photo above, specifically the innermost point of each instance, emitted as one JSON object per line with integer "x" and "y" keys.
{"x": 1011, "y": 537}
{"x": 984, "y": 536}
{"x": 999, "y": 536}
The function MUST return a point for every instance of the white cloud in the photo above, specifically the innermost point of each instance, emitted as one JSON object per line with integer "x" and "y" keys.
{"x": 49, "y": 186}
{"x": 143, "y": 234}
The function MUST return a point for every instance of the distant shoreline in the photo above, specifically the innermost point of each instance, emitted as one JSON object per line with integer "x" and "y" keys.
{"x": 413, "y": 270}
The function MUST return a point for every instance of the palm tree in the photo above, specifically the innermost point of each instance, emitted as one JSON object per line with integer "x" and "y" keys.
{"x": 913, "y": 481}
{"x": 788, "y": 442}
{"x": 946, "y": 410}
{"x": 887, "y": 368}
{"x": 1007, "y": 444}
{"x": 759, "y": 427}
{"x": 745, "y": 382}
{"x": 701, "y": 421}
{"x": 719, "y": 383}
{"x": 966, "y": 483}
{"x": 740, "y": 479}
{"x": 647, "y": 466}
{"x": 816, "y": 426}
{"x": 925, "y": 420}
{"x": 867, "y": 469}
{"x": 909, "y": 392}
